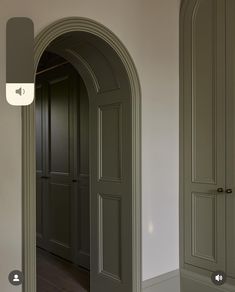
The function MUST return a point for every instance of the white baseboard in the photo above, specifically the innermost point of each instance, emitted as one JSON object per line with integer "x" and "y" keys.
{"x": 169, "y": 282}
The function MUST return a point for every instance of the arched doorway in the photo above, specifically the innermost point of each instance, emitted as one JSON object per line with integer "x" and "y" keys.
{"x": 114, "y": 95}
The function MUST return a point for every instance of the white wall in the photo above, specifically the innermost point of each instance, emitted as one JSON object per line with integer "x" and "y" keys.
{"x": 149, "y": 30}
{"x": 160, "y": 136}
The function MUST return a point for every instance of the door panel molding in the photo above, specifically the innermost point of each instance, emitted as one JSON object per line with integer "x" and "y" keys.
{"x": 115, "y": 110}
{"x": 203, "y": 74}
{"x": 105, "y": 260}
{"x": 204, "y": 204}
{"x": 42, "y": 41}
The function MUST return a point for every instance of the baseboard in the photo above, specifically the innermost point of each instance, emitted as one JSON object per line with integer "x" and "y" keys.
{"x": 169, "y": 282}
{"x": 194, "y": 282}
{"x": 83, "y": 259}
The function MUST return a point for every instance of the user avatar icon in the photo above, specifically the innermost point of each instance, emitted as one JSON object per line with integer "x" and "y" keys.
{"x": 16, "y": 278}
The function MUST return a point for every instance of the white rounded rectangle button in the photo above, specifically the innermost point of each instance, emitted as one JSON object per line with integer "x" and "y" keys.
{"x": 19, "y": 94}
{"x": 20, "y": 61}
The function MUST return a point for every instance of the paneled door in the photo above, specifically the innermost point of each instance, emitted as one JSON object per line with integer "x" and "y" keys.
{"x": 230, "y": 137}
{"x": 111, "y": 239}
{"x": 57, "y": 161}
{"x": 204, "y": 135}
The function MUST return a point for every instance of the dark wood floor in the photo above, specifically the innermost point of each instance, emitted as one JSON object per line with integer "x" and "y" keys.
{"x": 56, "y": 275}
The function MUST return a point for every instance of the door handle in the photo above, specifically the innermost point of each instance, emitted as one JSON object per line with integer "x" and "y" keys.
{"x": 229, "y": 191}
{"x": 45, "y": 177}
{"x": 74, "y": 180}
{"x": 220, "y": 190}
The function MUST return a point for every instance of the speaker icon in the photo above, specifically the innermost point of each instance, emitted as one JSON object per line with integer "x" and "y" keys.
{"x": 218, "y": 278}
{"x": 20, "y": 91}
{"x": 20, "y": 94}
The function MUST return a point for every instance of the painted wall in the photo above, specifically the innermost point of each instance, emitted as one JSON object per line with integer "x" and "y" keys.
{"x": 149, "y": 30}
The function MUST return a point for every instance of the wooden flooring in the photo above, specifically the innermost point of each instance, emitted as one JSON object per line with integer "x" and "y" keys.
{"x": 56, "y": 275}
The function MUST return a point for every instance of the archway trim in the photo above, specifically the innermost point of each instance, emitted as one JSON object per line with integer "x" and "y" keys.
{"x": 42, "y": 40}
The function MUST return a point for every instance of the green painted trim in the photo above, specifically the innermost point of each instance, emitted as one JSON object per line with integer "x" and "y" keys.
{"x": 181, "y": 132}
{"x": 43, "y": 39}
{"x": 28, "y": 200}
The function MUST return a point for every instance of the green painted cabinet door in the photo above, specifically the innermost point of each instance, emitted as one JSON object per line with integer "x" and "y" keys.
{"x": 62, "y": 140}
{"x": 111, "y": 199}
{"x": 230, "y": 137}
{"x": 204, "y": 134}
{"x": 56, "y": 139}
{"x": 61, "y": 162}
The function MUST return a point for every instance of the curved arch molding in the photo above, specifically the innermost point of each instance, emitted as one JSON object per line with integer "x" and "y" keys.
{"x": 42, "y": 40}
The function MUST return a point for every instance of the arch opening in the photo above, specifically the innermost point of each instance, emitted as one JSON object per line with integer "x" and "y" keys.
{"x": 113, "y": 88}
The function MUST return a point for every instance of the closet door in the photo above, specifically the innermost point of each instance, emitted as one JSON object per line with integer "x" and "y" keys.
{"x": 204, "y": 134}
{"x": 230, "y": 170}
{"x": 40, "y": 165}
{"x": 61, "y": 162}
{"x": 57, "y": 161}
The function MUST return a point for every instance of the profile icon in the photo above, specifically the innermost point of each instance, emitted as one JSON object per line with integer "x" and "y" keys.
{"x": 16, "y": 278}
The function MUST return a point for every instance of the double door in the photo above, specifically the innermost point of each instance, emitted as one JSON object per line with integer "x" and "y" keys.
{"x": 209, "y": 135}
{"x": 62, "y": 164}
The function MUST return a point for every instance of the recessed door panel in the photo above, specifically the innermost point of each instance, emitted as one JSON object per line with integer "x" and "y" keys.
{"x": 83, "y": 130}
{"x": 39, "y": 128}
{"x": 204, "y": 59}
{"x": 59, "y": 204}
{"x": 59, "y": 125}
{"x": 109, "y": 236}
{"x": 39, "y": 211}
{"x": 84, "y": 223}
{"x": 110, "y": 151}
{"x": 204, "y": 226}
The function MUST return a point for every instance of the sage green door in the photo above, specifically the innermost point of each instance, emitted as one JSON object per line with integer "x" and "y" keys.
{"x": 204, "y": 134}
{"x": 230, "y": 137}
{"x": 57, "y": 152}
{"x": 111, "y": 199}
